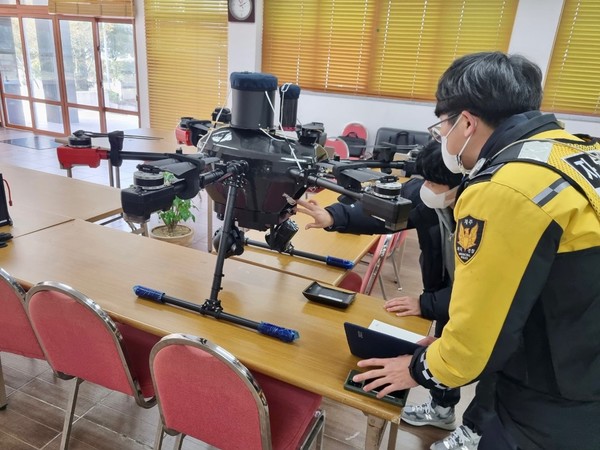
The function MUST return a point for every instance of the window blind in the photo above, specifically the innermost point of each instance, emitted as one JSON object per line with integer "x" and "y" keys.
{"x": 379, "y": 47}
{"x": 93, "y": 8}
{"x": 573, "y": 79}
{"x": 186, "y": 44}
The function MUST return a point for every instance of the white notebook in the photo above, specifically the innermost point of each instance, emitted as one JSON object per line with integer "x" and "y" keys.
{"x": 398, "y": 332}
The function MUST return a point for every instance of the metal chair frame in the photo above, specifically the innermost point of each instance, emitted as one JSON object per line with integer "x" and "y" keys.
{"x": 20, "y": 293}
{"x": 314, "y": 431}
{"x": 117, "y": 338}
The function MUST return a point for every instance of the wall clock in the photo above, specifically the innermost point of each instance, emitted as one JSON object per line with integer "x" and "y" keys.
{"x": 241, "y": 10}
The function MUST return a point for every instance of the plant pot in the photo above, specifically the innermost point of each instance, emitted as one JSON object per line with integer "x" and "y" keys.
{"x": 182, "y": 235}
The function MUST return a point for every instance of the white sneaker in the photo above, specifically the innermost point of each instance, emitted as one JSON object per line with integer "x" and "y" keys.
{"x": 463, "y": 438}
{"x": 429, "y": 414}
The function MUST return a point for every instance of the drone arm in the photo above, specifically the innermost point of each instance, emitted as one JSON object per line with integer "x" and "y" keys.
{"x": 314, "y": 180}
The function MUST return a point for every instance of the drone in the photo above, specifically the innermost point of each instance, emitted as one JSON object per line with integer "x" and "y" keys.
{"x": 254, "y": 172}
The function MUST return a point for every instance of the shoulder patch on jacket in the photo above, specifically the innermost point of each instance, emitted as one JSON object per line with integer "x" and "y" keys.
{"x": 469, "y": 233}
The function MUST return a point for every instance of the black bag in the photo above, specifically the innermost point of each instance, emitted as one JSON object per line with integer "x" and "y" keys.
{"x": 400, "y": 140}
{"x": 356, "y": 145}
{"x": 4, "y": 216}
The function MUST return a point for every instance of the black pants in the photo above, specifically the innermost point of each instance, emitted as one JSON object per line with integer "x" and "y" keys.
{"x": 445, "y": 397}
{"x": 496, "y": 437}
{"x": 481, "y": 409}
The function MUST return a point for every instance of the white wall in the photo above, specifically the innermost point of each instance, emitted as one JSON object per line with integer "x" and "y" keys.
{"x": 533, "y": 36}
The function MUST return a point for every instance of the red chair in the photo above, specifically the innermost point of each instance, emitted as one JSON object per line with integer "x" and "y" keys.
{"x": 81, "y": 341}
{"x": 384, "y": 248}
{"x": 339, "y": 147}
{"x": 16, "y": 334}
{"x": 203, "y": 391}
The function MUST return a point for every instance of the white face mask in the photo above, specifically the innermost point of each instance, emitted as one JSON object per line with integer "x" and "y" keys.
{"x": 453, "y": 162}
{"x": 437, "y": 201}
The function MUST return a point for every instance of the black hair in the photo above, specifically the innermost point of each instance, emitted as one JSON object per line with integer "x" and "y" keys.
{"x": 491, "y": 85}
{"x": 430, "y": 165}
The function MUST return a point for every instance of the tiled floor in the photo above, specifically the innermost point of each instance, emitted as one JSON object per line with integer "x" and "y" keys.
{"x": 107, "y": 420}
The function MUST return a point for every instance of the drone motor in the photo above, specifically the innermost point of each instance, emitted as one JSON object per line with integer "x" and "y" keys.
{"x": 389, "y": 190}
{"x": 148, "y": 180}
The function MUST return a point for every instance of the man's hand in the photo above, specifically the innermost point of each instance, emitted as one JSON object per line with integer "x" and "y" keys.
{"x": 427, "y": 341}
{"x": 322, "y": 219}
{"x": 392, "y": 371}
{"x": 403, "y": 306}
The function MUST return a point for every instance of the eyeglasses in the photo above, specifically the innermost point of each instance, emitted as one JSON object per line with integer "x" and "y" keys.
{"x": 435, "y": 129}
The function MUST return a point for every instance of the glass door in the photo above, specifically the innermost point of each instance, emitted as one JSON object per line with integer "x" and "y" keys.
{"x": 81, "y": 75}
{"x": 17, "y": 107}
{"x": 100, "y": 75}
{"x": 60, "y": 75}
{"x": 44, "y": 83}
{"x": 119, "y": 75}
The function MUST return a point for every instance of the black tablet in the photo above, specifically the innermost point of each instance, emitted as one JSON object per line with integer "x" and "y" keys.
{"x": 366, "y": 343}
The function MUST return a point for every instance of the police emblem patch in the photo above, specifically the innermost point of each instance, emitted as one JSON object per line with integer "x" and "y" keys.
{"x": 469, "y": 232}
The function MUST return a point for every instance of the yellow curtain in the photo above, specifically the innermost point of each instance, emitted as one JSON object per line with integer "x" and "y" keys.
{"x": 379, "y": 47}
{"x": 94, "y": 8}
{"x": 573, "y": 78}
{"x": 186, "y": 44}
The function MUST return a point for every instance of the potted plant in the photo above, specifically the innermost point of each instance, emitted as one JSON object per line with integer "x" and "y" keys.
{"x": 172, "y": 230}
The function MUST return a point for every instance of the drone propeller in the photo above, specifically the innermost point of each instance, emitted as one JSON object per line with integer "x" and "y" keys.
{"x": 92, "y": 134}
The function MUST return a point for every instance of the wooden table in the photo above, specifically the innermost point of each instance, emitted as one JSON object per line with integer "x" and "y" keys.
{"x": 49, "y": 193}
{"x": 341, "y": 245}
{"x": 27, "y": 220}
{"x": 105, "y": 264}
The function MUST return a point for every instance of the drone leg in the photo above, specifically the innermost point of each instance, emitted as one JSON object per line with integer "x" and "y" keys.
{"x": 223, "y": 246}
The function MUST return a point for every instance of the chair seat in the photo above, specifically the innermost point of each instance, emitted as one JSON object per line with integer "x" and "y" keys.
{"x": 291, "y": 410}
{"x": 139, "y": 344}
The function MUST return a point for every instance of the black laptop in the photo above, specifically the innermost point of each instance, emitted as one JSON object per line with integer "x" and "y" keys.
{"x": 366, "y": 343}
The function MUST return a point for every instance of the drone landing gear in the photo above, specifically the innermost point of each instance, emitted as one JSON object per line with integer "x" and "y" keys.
{"x": 329, "y": 260}
{"x": 212, "y": 306}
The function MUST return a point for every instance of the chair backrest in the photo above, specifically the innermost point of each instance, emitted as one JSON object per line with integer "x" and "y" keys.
{"x": 188, "y": 371}
{"x": 79, "y": 339}
{"x": 358, "y": 128}
{"x": 339, "y": 147}
{"x": 384, "y": 248}
{"x": 16, "y": 334}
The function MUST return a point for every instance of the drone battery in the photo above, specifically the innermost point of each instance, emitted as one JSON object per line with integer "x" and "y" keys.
{"x": 288, "y": 111}
{"x": 253, "y": 100}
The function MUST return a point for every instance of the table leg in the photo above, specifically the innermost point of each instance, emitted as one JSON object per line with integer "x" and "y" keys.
{"x": 111, "y": 179}
{"x": 209, "y": 221}
{"x": 375, "y": 430}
